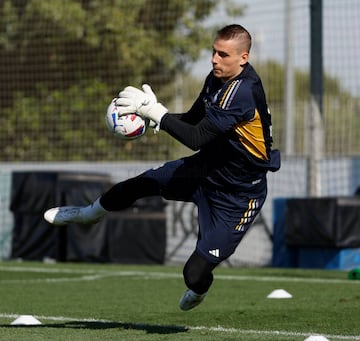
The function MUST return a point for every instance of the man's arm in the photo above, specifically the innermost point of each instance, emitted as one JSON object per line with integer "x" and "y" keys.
{"x": 195, "y": 114}
{"x": 192, "y": 136}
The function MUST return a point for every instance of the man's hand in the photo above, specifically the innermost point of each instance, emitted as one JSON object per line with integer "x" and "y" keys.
{"x": 143, "y": 103}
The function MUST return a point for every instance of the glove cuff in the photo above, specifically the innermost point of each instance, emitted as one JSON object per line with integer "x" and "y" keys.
{"x": 156, "y": 112}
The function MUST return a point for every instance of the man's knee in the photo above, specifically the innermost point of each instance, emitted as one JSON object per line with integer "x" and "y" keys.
{"x": 198, "y": 273}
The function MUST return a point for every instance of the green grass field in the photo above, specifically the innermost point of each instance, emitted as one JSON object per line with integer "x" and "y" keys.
{"x": 118, "y": 302}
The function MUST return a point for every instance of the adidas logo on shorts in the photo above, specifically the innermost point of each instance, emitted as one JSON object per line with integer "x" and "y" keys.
{"x": 215, "y": 252}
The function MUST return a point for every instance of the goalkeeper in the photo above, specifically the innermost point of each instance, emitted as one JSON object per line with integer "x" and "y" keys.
{"x": 229, "y": 126}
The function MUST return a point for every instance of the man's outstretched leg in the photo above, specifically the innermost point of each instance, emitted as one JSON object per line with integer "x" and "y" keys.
{"x": 119, "y": 197}
{"x": 198, "y": 278}
{"x": 173, "y": 180}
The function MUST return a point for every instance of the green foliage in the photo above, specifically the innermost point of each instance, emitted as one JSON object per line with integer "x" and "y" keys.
{"x": 75, "y": 119}
{"x": 337, "y": 103}
{"x": 62, "y": 61}
{"x": 60, "y": 42}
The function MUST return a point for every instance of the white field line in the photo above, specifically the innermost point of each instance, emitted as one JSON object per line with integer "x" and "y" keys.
{"x": 195, "y": 328}
{"x": 88, "y": 275}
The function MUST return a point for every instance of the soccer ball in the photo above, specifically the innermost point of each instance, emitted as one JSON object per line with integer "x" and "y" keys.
{"x": 126, "y": 127}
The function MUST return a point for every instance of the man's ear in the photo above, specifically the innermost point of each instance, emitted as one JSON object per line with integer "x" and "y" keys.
{"x": 244, "y": 58}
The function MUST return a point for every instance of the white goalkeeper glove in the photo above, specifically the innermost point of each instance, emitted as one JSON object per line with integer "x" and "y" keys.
{"x": 143, "y": 103}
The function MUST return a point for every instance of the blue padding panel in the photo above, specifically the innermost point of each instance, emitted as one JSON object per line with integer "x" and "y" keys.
{"x": 328, "y": 258}
{"x": 283, "y": 255}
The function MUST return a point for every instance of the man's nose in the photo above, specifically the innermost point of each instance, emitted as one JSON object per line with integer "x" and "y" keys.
{"x": 214, "y": 58}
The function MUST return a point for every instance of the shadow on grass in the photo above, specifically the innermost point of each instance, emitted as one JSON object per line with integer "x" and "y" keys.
{"x": 148, "y": 328}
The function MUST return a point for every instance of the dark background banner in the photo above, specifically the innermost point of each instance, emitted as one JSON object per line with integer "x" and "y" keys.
{"x": 137, "y": 235}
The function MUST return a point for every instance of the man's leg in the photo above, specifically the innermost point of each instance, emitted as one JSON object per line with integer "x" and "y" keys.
{"x": 198, "y": 278}
{"x": 124, "y": 194}
{"x": 175, "y": 180}
{"x": 119, "y": 197}
{"x": 224, "y": 219}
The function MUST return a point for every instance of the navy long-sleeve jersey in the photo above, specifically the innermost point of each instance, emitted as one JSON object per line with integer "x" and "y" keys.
{"x": 230, "y": 126}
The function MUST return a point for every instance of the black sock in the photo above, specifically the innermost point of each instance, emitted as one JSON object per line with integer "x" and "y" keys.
{"x": 124, "y": 194}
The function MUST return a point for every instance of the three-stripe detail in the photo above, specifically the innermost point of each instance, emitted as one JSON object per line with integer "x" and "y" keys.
{"x": 229, "y": 94}
{"x": 249, "y": 215}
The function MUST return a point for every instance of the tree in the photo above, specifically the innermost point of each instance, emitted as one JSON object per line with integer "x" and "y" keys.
{"x": 62, "y": 42}
{"x": 340, "y": 109}
{"x": 62, "y": 61}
